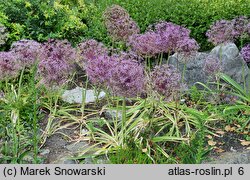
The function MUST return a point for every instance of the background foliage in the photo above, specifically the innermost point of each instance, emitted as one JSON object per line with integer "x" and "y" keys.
{"x": 197, "y": 15}
{"x": 79, "y": 19}
{"x": 43, "y": 19}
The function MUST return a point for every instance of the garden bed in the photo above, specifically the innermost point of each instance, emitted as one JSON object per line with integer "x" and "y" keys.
{"x": 167, "y": 88}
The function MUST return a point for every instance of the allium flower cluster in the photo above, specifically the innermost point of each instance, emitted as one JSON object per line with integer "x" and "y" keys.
{"x": 171, "y": 35}
{"x": 56, "y": 64}
{"x": 27, "y": 52}
{"x": 220, "y": 32}
{"x": 127, "y": 78}
{"x": 164, "y": 37}
{"x": 212, "y": 65}
{"x": 9, "y": 68}
{"x": 146, "y": 45}
{"x": 166, "y": 80}
{"x": 3, "y": 35}
{"x": 245, "y": 53}
{"x": 119, "y": 24}
{"x": 240, "y": 26}
{"x": 130, "y": 55}
{"x": 90, "y": 50}
{"x": 187, "y": 46}
{"x": 99, "y": 70}
{"x": 224, "y": 31}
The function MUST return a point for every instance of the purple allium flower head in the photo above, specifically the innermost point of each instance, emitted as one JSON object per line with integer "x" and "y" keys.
{"x": 59, "y": 49}
{"x": 57, "y": 62}
{"x": 240, "y": 26}
{"x": 245, "y": 53}
{"x": 187, "y": 46}
{"x": 166, "y": 80}
{"x": 130, "y": 55}
{"x": 9, "y": 68}
{"x": 127, "y": 78}
{"x": 99, "y": 70}
{"x": 27, "y": 52}
{"x": 171, "y": 34}
{"x": 146, "y": 45}
{"x": 212, "y": 65}
{"x": 119, "y": 24}
{"x": 90, "y": 50}
{"x": 221, "y": 32}
{"x": 228, "y": 31}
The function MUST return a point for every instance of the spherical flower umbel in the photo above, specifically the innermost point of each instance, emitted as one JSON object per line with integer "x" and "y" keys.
{"x": 127, "y": 78}
{"x": 240, "y": 26}
{"x": 57, "y": 63}
{"x": 212, "y": 65}
{"x": 166, "y": 80}
{"x": 99, "y": 70}
{"x": 90, "y": 50}
{"x": 224, "y": 31}
{"x": 221, "y": 32}
{"x": 171, "y": 34}
{"x": 130, "y": 55}
{"x": 147, "y": 44}
{"x": 119, "y": 24}
{"x": 9, "y": 68}
{"x": 27, "y": 51}
{"x": 187, "y": 46}
{"x": 245, "y": 53}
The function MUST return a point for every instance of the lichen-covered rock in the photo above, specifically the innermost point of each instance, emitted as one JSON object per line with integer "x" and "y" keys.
{"x": 232, "y": 64}
{"x": 231, "y": 158}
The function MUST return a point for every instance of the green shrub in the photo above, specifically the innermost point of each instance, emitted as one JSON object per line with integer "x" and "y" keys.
{"x": 197, "y": 15}
{"x": 43, "y": 19}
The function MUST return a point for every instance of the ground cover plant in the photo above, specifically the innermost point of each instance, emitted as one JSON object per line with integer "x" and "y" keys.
{"x": 157, "y": 117}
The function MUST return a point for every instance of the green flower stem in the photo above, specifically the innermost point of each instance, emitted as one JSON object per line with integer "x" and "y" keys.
{"x": 35, "y": 109}
{"x": 217, "y": 78}
{"x": 243, "y": 76}
{"x": 123, "y": 119}
{"x": 161, "y": 58}
{"x": 168, "y": 57}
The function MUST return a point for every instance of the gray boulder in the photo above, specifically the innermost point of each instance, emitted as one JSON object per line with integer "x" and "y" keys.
{"x": 232, "y": 65}
{"x": 75, "y": 95}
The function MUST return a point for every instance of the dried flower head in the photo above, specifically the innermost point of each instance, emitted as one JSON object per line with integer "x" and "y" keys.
{"x": 212, "y": 65}
{"x": 245, "y": 53}
{"x": 9, "y": 68}
{"x": 119, "y": 24}
{"x": 3, "y": 35}
{"x": 166, "y": 80}
{"x": 90, "y": 50}
{"x": 27, "y": 52}
{"x": 57, "y": 63}
{"x": 127, "y": 78}
{"x": 147, "y": 44}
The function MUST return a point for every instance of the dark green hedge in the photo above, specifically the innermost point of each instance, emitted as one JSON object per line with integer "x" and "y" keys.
{"x": 79, "y": 19}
